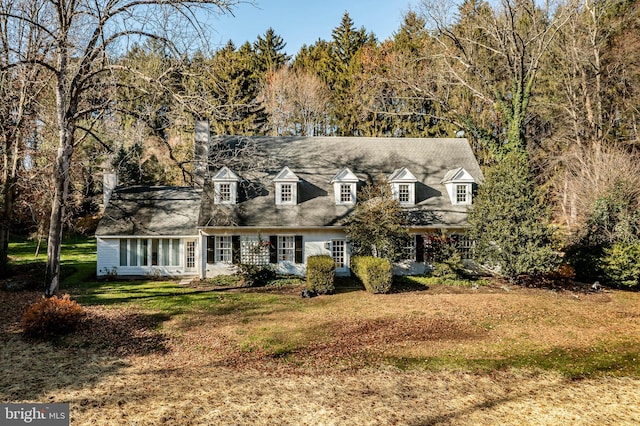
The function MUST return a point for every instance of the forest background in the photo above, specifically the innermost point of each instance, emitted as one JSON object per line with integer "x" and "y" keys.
{"x": 557, "y": 83}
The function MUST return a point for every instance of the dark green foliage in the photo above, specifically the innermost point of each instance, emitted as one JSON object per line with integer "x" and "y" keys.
{"x": 321, "y": 274}
{"x": 269, "y": 52}
{"x": 375, "y": 273}
{"x": 613, "y": 222}
{"x": 255, "y": 275}
{"x": 510, "y": 224}
{"x": 621, "y": 264}
{"x": 442, "y": 253}
{"x": 53, "y": 316}
{"x": 377, "y": 226}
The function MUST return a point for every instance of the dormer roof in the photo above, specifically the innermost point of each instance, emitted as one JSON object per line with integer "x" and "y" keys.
{"x": 345, "y": 175}
{"x": 457, "y": 175}
{"x": 286, "y": 175}
{"x": 402, "y": 175}
{"x": 225, "y": 175}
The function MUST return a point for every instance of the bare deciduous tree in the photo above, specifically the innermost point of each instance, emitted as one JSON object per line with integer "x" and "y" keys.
{"x": 83, "y": 36}
{"x": 494, "y": 53}
{"x": 296, "y": 101}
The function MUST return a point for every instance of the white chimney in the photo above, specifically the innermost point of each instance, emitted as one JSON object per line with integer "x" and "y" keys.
{"x": 201, "y": 152}
{"x": 109, "y": 183}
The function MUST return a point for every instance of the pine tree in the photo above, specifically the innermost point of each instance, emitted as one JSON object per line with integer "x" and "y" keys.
{"x": 510, "y": 223}
{"x": 269, "y": 52}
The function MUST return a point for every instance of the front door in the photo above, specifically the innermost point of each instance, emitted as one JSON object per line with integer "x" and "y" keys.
{"x": 339, "y": 255}
{"x": 190, "y": 256}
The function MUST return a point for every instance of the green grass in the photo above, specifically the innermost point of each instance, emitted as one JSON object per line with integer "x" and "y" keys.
{"x": 426, "y": 281}
{"x": 610, "y": 358}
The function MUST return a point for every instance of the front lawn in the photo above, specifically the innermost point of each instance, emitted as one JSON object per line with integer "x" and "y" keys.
{"x": 157, "y": 352}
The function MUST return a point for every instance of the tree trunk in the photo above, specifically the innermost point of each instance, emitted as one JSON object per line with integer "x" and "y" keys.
{"x": 61, "y": 191}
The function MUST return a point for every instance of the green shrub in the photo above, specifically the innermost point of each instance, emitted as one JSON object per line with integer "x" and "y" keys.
{"x": 51, "y": 317}
{"x": 621, "y": 264}
{"x": 374, "y": 272}
{"x": 255, "y": 275}
{"x": 321, "y": 274}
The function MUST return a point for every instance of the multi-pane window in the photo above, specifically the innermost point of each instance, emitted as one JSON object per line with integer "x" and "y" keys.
{"x": 403, "y": 193}
{"x": 464, "y": 245}
{"x": 286, "y": 249}
{"x": 286, "y": 193}
{"x": 345, "y": 193}
{"x": 191, "y": 254}
{"x": 224, "y": 249}
{"x": 338, "y": 253}
{"x": 461, "y": 194}
{"x": 135, "y": 252}
{"x": 224, "y": 192}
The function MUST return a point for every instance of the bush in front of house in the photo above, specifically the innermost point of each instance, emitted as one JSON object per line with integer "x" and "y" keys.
{"x": 374, "y": 273}
{"x": 321, "y": 274}
{"x": 255, "y": 275}
{"x": 621, "y": 264}
{"x": 51, "y": 317}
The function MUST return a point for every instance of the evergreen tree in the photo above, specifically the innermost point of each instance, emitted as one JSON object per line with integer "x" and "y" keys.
{"x": 346, "y": 45}
{"x": 510, "y": 223}
{"x": 269, "y": 52}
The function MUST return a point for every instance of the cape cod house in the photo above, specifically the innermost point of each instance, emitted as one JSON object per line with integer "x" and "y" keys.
{"x": 289, "y": 201}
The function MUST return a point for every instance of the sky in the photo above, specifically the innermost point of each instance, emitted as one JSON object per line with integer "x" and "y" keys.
{"x": 301, "y": 22}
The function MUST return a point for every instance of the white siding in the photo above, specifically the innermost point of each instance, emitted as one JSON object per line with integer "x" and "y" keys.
{"x": 108, "y": 260}
{"x": 107, "y": 256}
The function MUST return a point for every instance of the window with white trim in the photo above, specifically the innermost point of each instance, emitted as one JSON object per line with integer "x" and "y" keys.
{"x": 224, "y": 192}
{"x": 462, "y": 194}
{"x": 286, "y": 249}
{"x": 164, "y": 251}
{"x": 345, "y": 193}
{"x": 338, "y": 253}
{"x": 191, "y": 254}
{"x": 223, "y": 249}
{"x": 286, "y": 193}
{"x": 403, "y": 193}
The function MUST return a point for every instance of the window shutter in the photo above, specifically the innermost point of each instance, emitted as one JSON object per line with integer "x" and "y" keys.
{"x": 298, "y": 256}
{"x": 211, "y": 249}
{"x": 235, "y": 249}
{"x": 273, "y": 249}
{"x": 419, "y": 248}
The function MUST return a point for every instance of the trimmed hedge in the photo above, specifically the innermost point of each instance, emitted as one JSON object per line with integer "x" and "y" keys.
{"x": 374, "y": 272}
{"x": 320, "y": 274}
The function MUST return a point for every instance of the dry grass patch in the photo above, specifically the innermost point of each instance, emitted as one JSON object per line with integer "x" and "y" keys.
{"x": 486, "y": 356}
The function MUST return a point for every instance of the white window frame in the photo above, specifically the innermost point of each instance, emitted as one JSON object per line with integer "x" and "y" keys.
{"x": 223, "y": 191}
{"x": 346, "y": 193}
{"x": 286, "y": 193}
{"x": 462, "y": 193}
{"x": 223, "y": 249}
{"x": 404, "y": 193}
{"x": 339, "y": 253}
{"x": 286, "y": 248}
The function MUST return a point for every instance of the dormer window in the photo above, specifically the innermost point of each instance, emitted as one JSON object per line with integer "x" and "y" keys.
{"x": 462, "y": 194}
{"x": 459, "y": 184}
{"x": 344, "y": 187}
{"x": 346, "y": 193}
{"x": 225, "y": 185}
{"x": 403, "y": 193}
{"x": 403, "y": 186}
{"x": 286, "y": 183}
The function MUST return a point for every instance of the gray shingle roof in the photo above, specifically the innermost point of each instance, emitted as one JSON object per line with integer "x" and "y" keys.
{"x": 151, "y": 211}
{"x": 317, "y": 160}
